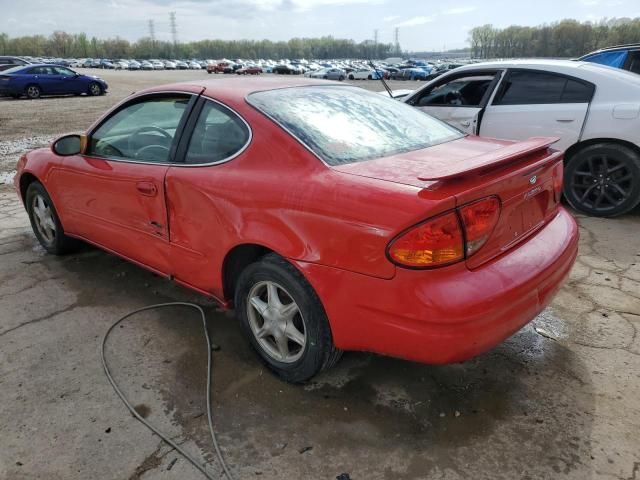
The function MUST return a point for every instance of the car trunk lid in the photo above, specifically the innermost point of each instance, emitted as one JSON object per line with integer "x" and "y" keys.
{"x": 525, "y": 176}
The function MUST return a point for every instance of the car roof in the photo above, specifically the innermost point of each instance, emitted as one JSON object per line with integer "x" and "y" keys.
{"x": 613, "y": 48}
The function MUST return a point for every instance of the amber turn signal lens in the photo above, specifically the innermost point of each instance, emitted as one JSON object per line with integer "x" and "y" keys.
{"x": 433, "y": 243}
{"x": 479, "y": 220}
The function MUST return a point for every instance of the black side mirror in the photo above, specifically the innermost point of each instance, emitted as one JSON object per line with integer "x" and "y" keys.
{"x": 67, "y": 145}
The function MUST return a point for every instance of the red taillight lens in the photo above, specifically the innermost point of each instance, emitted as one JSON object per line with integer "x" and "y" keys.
{"x": 479, "y": 220}
{"x": 433, "y": 243}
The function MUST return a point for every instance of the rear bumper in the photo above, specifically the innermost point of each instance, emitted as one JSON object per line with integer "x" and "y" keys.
{"x": 450, "y": 314}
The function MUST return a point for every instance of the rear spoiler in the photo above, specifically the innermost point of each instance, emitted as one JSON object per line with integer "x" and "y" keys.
{"x": 493, "y": 159}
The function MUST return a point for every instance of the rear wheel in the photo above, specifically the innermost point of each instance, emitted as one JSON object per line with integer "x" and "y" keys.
{"x": 351, "y": 77}
{"x": 603, "y": 179}
{"x": 45, "y": 222}
{"x": 284, "y": 319}
{"x": 95, "y": 89}
{"x": 33, "y": 92}
{"x": 341, "y": 78}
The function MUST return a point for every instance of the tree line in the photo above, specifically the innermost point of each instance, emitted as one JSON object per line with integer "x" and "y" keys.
{"x": 567, "y": 38}
{"x": 64, "y": 45}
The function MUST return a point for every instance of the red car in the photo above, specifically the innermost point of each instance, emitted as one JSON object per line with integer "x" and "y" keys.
{"x": 249, "y": 71}
{"x": 331, "y": 218}
{"x": 218, "y": 67}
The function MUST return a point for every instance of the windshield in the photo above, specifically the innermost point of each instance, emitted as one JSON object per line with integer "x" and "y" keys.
{"x": 349, "y": 124}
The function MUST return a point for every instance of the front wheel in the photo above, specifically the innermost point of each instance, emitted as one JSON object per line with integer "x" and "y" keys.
{"x": 603, "y": 179}
{"x": 45, "y": 222}
{"x": 95, "y": 89}
{"x": 284, "y": 319}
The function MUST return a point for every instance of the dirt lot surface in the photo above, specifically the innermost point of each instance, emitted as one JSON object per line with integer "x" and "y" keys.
{"x": 562, "y": 402}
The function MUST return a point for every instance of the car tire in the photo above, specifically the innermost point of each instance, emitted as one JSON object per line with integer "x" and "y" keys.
{"x": 603, "y": 179}
{"x": 94, "y": 89}
{"x": 46, "y": 223}
{"x": 369, "y": 77}
{"x": 351, "y": 77}
{"x": 33, "y": 92}
{"x": 341, "y": 78}
{"x": 272, "y": 284}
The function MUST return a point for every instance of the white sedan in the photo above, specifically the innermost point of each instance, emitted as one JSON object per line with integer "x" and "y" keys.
{"x": 594, "y": 110}
{"x": 363, "y": 74}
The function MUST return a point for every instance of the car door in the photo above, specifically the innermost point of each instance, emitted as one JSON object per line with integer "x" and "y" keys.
{"x": 458, "y": 100}
{"x": 113, "y": 195}
{"x": 69, "y": 81}
{"x": 633, "y": 61}
{"x": 214, "y": 137}
{"x": 533, "y": 103}
{"x": 46, "y": 78}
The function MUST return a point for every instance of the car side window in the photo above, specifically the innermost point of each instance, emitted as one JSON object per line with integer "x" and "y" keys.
{"x": 218, "y": 134}
{"x": 466, "y": 91}
{"x": 634, "y": 63}
{"x": 64, "y": 71}
{"x": 537, "y": 88}
{"x": 143, "y": 131}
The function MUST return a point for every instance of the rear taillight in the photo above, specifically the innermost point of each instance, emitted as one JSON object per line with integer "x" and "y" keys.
{"x": 479, "y": 219}
{"x": 558, "y": 181}
{"x": 433, "y": 243}
{"x": 441, "y": 241}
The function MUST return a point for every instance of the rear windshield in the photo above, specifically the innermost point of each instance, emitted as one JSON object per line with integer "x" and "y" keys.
{"x": 349, "y": 124}
{"x": 14, "y": 69}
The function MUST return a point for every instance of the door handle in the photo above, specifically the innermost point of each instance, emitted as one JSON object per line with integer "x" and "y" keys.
{"x": 565, "y": 120}
{"x": 465, "y": 123}
{"x": 147, "y": 188}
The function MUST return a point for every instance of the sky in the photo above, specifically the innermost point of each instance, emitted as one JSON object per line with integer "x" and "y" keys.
{"x": 423, "y": 24}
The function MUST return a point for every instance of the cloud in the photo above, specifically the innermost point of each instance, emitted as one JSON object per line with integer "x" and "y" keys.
{"x": 459, "y": 10}
{"x": 412, "y": 22}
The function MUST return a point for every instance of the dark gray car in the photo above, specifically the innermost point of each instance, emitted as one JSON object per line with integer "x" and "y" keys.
{"x": 10, "y": 62}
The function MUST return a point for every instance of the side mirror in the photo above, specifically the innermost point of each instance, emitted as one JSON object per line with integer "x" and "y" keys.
{"x": 69, "y": 145}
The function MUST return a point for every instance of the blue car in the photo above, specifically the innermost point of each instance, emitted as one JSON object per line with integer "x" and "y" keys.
{"x": 626, "y": 57}
{"x": 33, "y": 81}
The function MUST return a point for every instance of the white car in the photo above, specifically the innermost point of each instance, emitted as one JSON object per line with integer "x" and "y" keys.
{"x": 157, "y": 65}
{"x": 193, "y": 65}
{"x": 169, "y": 65}
{"x": 363, "y": 74}
{"x": 593, "y": 109}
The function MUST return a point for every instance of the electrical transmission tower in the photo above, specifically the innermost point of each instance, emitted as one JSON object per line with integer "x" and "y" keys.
{"x": 397, "y": 38}
{"x": 152, "y": 32}
{"x": 174, "y": 27}
{"x": 375, "y": 43}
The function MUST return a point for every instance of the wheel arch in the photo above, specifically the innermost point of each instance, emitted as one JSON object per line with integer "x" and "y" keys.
{"x": 576, "y": 147}
{"x": 26, "y": 179}
{"x": 235, "y": 261}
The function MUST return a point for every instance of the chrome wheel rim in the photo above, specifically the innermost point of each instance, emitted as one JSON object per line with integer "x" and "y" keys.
{"x": 43, "y": 218}
{"x": 601, "y": 182}
{"x": 33, "y": 91}
{"x": 95, "y": 89}
{"x": 276, "y": 322}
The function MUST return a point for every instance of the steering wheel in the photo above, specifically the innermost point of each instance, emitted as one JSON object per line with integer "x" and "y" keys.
{"x": 154, "y": 153}
{"x": 147, "y": 128}
{"x": 454, "y": 97}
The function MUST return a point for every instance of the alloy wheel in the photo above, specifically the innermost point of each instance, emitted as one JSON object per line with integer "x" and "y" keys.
{"x": 601, "y": 182}
{"x": 43, "y": 218}
{"x": 276, "y": 322}
{"x": 94, "y": 89}
{"x": 33, "y": 91}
